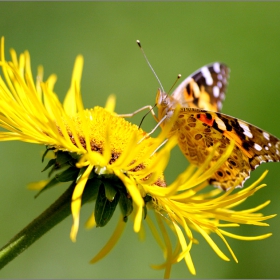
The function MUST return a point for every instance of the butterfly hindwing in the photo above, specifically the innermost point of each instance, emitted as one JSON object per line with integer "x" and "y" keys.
{"x": 198, "y": 130}
{"x": 204, "y": 89}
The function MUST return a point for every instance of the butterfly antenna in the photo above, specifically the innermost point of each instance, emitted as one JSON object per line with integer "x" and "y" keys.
{"x": 178, "y": 77}
{"x": 139, "y": 45}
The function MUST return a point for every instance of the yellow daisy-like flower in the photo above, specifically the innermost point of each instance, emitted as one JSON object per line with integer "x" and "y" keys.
{"x": 97, "y": 139}
{"x": 98, "y": 150}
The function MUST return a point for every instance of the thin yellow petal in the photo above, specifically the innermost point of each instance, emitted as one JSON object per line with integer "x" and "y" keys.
{"x": 90, "y": 223}
{"x": 77, "y": 201}
{"x": 111, "y": 242}
{"x": 69, "y": 104}
{"x": 156, "y": 235}
{"x": 212, "y": 243}
{"x": 186, "y": 250}
{"x": 229, "y": 248}
{"x": 111, "y": 103}
{"x": 168, "y": 247}
{"x": 37, "y": 185}
{"x": 246, "y": 238}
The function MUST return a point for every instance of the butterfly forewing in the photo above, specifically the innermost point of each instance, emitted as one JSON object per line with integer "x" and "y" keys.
{"x": 204, "y": 89}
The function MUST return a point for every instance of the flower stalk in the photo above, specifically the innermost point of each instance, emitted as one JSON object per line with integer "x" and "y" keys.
{"x": 58, "y": 211}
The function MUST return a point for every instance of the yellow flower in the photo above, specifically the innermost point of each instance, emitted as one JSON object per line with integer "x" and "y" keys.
{"x": 96, "y": 149}
{"x": 97, "y": 139}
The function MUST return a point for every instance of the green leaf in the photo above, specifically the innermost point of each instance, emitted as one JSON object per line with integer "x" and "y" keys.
{"x": 110, "y": 191}
{"x": 104, "y": 209}
{"x": 125, "y": 205}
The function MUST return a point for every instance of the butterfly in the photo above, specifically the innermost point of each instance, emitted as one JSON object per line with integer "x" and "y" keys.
{"x": 200, "y": 125}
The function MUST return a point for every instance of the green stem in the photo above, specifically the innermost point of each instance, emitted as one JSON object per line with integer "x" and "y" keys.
{"x": 58, "y": 211}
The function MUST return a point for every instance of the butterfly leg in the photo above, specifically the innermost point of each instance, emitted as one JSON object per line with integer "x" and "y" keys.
{"x": 163, "y": 143}
{"x": 149, "y": 107}
{"x": 153, "y": 130}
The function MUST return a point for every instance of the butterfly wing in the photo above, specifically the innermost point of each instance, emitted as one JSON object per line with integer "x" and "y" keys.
{"x": 198, "y": 130}
{"x": 204, "y": 89}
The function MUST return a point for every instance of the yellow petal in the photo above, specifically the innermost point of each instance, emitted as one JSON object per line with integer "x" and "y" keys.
{"x": 77, "y": 201}
{"x": 111, "y": 242}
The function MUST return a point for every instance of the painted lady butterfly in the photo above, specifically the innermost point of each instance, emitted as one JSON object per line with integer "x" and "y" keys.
{"x": 200, "y": 126}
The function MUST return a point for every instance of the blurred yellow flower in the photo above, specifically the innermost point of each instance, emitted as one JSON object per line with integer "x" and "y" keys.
{"x": 95, "y": 148}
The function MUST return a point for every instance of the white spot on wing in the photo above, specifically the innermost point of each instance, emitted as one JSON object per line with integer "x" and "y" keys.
{"x": 216, "y": 67}
{"x": 207, "y": 75}
{"x": 257, "y": 147}
{"x": 246, "y": 128}
{"x": 216, "y": 91}
{"x": 219, "y": 84}
{"x": 248, "y": 133}
{"x": 220, "y": 123}
{"x": 266, "y": 135}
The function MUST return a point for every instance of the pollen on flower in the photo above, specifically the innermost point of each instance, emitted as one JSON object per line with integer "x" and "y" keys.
{"x": 100, "y": 122}
{"x": 107, "y": 130}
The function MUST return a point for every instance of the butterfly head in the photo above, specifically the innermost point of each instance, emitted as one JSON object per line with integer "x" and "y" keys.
{"x": 166, "y": 105}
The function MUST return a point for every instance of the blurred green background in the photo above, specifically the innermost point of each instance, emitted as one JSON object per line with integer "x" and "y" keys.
{"x": 178, "y": 37}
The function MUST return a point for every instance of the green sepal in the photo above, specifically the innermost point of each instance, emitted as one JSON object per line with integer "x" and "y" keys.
{"x": 125, "y": 205}
{"x": 110, "y": 191}
{"x": 75, "y": 156}
{"x": 50, "y": 163}
{"x": 50, "y": 184}
{"x": 92, "y": 187}
{"x": 104, "y": 209}
{"x": 67, "y": 175}
{"x": 147, "y": 199}
{"x": 63, "y": 158}
{"x": 81, "y": 172}
{"x": 45, "y": 153}
{"x": 145, "y": 211}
